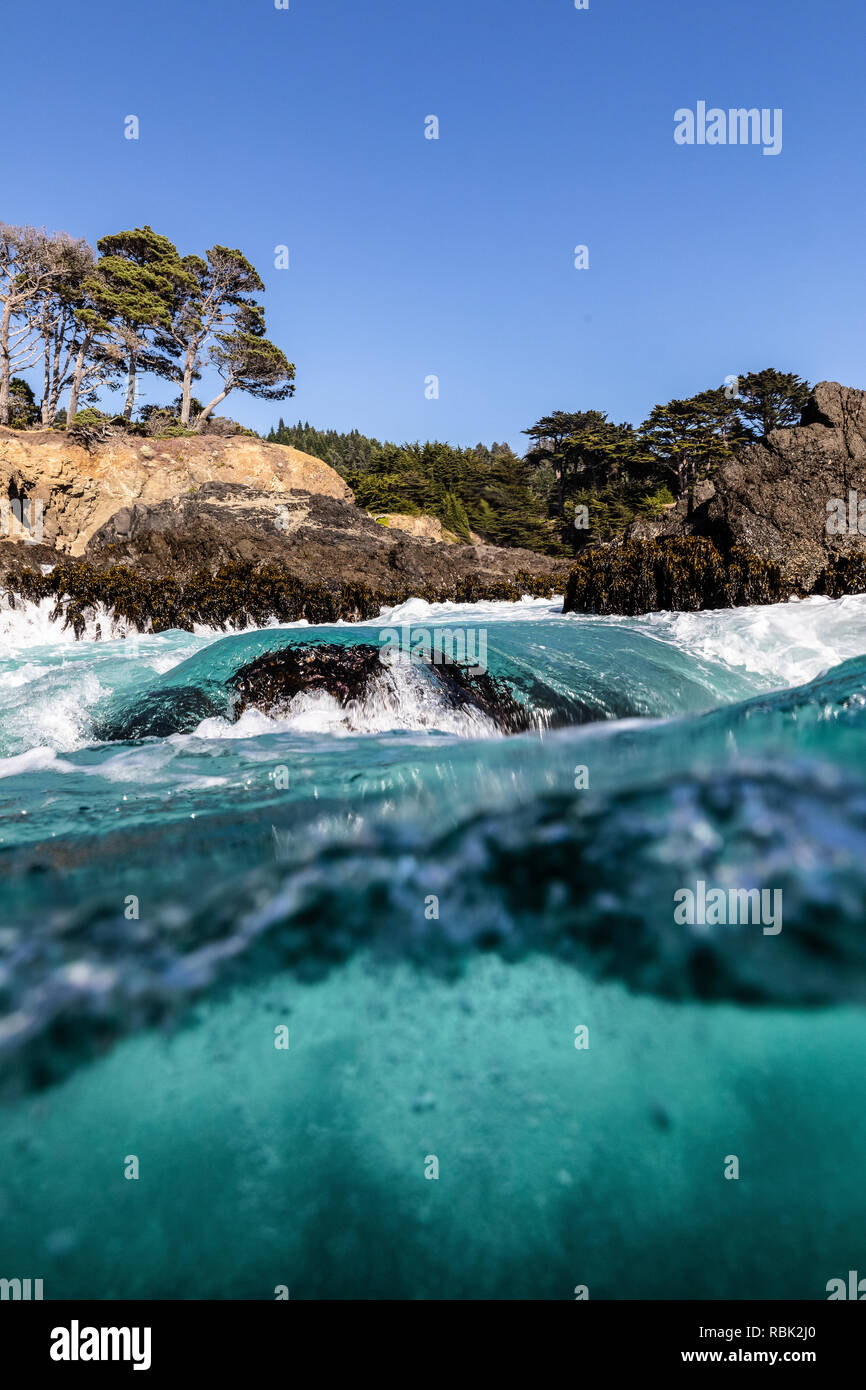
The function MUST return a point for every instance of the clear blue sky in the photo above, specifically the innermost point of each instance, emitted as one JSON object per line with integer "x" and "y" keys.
{"x": 454, "y": 257}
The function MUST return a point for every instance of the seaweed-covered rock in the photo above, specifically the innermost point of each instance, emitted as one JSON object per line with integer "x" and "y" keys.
{"x": 240, "y": 595}
{"x": 350, "y": 673}
{"x": 273, "y": 680}
{"x": 845, "y": 574}
{"x": 684, "y": 575}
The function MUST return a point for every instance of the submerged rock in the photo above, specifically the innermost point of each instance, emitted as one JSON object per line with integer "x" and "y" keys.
{"x": 272, "y": 681}
{"x": 352, "y": 674}
{"x": 156, "y": 714}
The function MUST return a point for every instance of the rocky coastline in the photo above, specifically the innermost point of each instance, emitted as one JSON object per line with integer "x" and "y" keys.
{"x": 175, "y": 532}
{"x": 781, "y": 519}
{"x": 227, "y": 531}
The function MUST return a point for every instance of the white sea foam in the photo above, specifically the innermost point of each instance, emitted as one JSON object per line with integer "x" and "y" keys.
{"x": 51, "y": 710}
{"x": 40, "y": 759}
{"x": 30, "y": 624}
{"x": 22, "y": 675}
{"x": 789, "y": 643}
{"x": 418, "y": 610}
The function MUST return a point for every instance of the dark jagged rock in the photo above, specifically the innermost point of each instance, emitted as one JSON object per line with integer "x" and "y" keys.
{"x": 755, "y": 533}
{"x": 16, "y": 556}
{"x": 325, "y": 540}
{"x": 771, "y": 499}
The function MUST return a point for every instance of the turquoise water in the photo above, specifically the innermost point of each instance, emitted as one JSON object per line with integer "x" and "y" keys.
{"x": 431, "y": 909}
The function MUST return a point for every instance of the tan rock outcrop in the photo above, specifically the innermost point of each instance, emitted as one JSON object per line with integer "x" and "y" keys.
{"x": 425, "y": 528}
{"x": 81, "y": 489}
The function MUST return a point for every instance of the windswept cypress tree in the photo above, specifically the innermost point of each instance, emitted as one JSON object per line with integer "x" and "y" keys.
{"x": 689, "y": 438}
{"x": 214, "y": 306}
{"x": 141, "y": 276}
{"x": 247, "y": 361}
{"x": 771, "y": 400}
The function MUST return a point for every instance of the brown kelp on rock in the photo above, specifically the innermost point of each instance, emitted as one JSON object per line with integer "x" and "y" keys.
{"x": 239, "y": 594}
{"x": 679, "y": 575}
